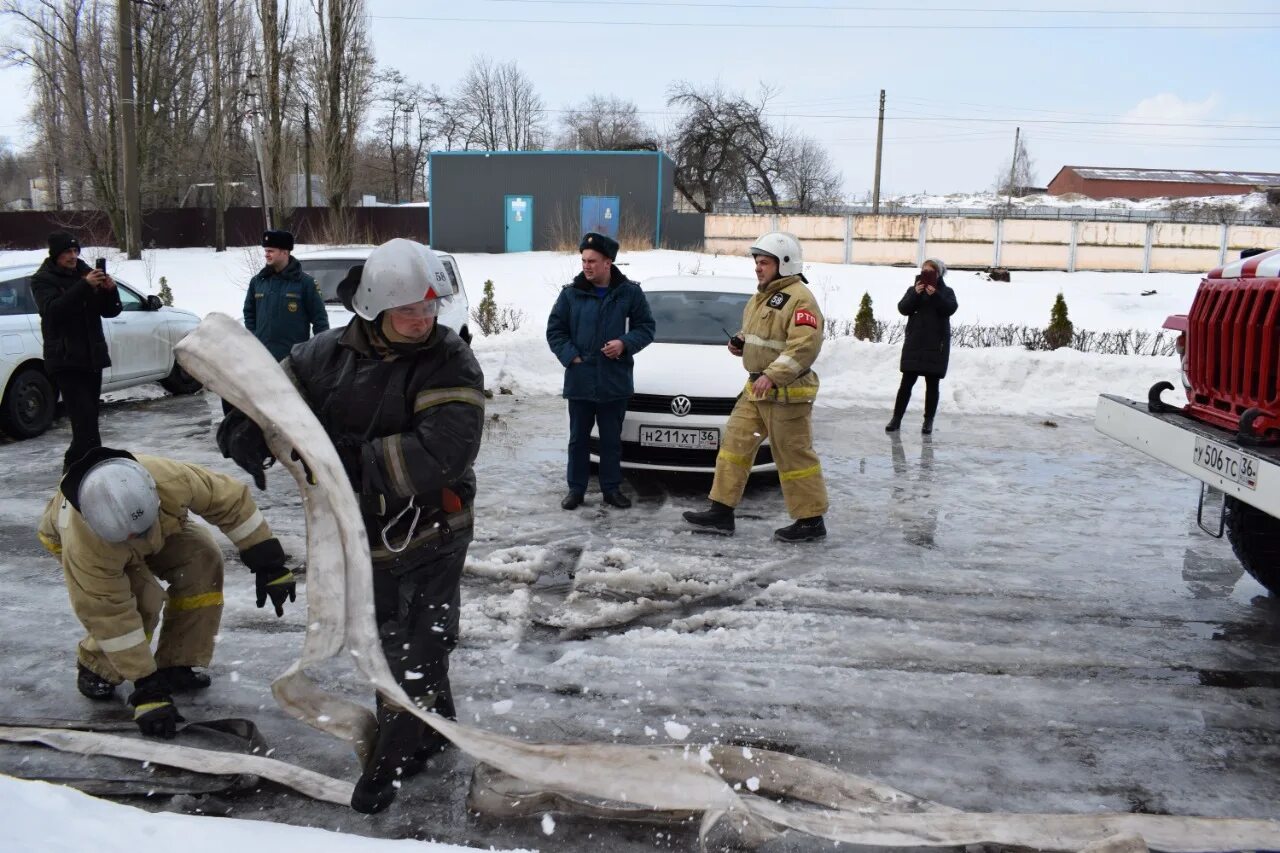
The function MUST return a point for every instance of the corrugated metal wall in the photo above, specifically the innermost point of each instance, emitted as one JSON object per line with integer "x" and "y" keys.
{"x": 468, "y": 191}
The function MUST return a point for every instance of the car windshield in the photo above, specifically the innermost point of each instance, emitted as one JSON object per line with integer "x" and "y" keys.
{"x": 695, "y": 316}
{"x": 328, "y": 274}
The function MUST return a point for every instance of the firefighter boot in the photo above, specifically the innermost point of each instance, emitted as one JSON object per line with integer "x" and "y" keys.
{"x": 894, "y": 424}
{"x": 184, "y": 679}
{"x": 927, "y": 427}
{"x": 802, "y": 530}
{"x": 433, "y": 743}
{"x": 718, "y": 516}
{"x": 92, "y": 685}
{"x": 399, "y": 735}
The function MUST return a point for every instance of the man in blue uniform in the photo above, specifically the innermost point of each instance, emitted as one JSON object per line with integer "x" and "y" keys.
{"x": 283, "y": 306}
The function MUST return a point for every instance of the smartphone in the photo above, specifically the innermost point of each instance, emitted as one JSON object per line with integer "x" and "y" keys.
{"x": 101, "y": 264}
{"x": 927, "y": 277}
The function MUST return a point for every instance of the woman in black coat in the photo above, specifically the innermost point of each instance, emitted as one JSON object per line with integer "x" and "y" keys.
{"x": 928, "y": 306}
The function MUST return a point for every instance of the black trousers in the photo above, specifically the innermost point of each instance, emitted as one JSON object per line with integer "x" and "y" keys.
{"x": 904, "y": 394}
{"x": 81, "y": 390}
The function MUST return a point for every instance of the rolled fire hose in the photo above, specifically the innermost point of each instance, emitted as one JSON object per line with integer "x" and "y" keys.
{"x": 620, "y": 780}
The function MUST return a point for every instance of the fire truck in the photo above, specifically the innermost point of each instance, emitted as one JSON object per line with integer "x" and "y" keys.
{"x": 1227, "y": 433}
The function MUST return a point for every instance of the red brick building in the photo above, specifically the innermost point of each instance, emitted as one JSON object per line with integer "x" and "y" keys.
{"x": 1101, "y": 182}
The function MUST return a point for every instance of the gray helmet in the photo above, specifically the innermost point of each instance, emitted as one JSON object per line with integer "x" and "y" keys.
{"x": 118, "y": 499}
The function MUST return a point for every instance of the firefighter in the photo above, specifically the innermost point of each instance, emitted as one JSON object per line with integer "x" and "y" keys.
{"x": 779, "y": 341}
{"x": 122, "y": 526}
{"x": 402, "y": 399}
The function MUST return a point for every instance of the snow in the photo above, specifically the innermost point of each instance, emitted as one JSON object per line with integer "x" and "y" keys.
{"x": 990, "y": 381}
{"x": 37, "y": 817}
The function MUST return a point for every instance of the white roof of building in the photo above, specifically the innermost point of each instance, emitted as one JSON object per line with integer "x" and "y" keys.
{"x": 1176, "y": 176}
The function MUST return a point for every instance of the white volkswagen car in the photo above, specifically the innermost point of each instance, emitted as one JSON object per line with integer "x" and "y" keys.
{"x": 329, "y": 267}
{"x": 140, "y": 340}
{"x": 686, "y": 381}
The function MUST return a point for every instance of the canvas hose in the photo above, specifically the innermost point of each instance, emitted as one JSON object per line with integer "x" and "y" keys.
{"x": 607, "y": 780}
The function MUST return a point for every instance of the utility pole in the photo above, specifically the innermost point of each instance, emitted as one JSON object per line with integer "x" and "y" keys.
{"x": 128, "y": 130}
{"x": 306, "y": 150}
{"x": 875, "y": 189}
{"x": 1013, "y": 166}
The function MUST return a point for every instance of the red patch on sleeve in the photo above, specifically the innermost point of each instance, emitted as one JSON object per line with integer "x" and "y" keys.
{"x": 806, "y": 318}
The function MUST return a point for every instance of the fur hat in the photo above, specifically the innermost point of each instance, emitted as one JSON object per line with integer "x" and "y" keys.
{"x": 61, "y": 241}
{"x": 347, "y": 287}
{"x": 274, "y": 239}
{"x": 606, "y": 246}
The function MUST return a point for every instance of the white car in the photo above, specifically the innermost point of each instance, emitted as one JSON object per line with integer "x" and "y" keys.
{"x": 329, "y": 267}
{"x": 140, "y": 340}
{"x": 686, "y": 381}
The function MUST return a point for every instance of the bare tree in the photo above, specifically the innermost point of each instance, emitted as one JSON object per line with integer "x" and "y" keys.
{"x": 811, "y": 181}
{"x": 274, "y": 81}
{"x": 499, "y": 107}
{"x": 604, "y": 123}
{"x": 341, "y": 71}
{"x": 1023, "y": 171}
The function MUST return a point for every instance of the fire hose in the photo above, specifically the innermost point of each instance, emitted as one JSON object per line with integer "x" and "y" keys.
{"x": 607, "y": 780}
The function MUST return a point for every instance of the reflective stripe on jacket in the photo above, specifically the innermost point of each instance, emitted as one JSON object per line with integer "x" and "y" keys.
{"x": 782, "y": 333}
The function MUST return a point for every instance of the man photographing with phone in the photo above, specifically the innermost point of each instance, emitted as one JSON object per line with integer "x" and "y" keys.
{"x": 73, "y": 298}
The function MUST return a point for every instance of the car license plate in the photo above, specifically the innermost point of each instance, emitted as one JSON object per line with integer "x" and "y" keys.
{"x": 680, "y": 437}
{"x": 1227, "y": 463}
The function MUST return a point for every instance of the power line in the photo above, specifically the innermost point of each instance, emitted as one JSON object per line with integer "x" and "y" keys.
{"x": 598, "y": 22}
{"x": 809, "y": 7}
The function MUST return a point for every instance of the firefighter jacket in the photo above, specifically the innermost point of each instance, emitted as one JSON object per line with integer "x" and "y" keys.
{"x": 284, "y": 308}
{"x": 782, "y": 334}
{"x": 413, "y": 415}
{"x": 95, "y": 570}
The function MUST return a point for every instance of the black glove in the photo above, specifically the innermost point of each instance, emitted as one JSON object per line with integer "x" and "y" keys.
{"x": 241, "y": 440}
{"x": 351, "y": 452}
{"x": 270, "y": 575}
{"x": 153, "y": 708}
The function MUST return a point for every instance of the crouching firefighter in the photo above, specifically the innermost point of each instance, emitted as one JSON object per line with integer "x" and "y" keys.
{"x": 402, "y": 398}
{"x": 122, "y": 527}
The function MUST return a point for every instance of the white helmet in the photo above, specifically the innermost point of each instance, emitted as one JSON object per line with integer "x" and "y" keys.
{"x": 118, "y": 499}
{"x": 784, "y": 247}
{"x": 401, "y": 272}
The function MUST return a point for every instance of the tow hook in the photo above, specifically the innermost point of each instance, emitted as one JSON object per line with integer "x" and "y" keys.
{"x": 1245, "y": 433}
{"x": 1155, "y": 405}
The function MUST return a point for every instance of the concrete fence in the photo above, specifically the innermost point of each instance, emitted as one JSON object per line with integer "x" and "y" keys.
{"x": 975, "y": 243}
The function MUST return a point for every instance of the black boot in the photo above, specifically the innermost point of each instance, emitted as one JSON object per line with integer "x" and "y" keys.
{"x": 927, "y": 427}
{"x": 718, "y": 516}
{"x": 183, "y": 679}
{"x": 399, "y": 736}
{"x": 433, "y": 743}
{"x": 573, "y": 500}
{"x": 617, "y": 499}
{"x": 802, "y": 530}
{"x": 894, "y": 423}
{"x": 92, "y": 685}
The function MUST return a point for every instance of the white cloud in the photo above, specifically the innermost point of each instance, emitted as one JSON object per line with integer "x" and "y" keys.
{"x": 1168, "y": 107}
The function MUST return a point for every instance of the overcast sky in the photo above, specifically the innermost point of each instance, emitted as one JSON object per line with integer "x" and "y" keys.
{"x": 1162, "y": 84}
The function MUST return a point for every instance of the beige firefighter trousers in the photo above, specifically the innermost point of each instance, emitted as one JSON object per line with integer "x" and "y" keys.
{"x": 191, "y": 564}
{"x": 788, "y": 426}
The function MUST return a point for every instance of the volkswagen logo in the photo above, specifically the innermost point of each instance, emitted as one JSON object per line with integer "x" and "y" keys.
{"x": 681, "y": 406}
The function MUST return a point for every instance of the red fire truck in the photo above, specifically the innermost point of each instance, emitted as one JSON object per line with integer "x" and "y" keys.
{"x": 1227, "y": 434}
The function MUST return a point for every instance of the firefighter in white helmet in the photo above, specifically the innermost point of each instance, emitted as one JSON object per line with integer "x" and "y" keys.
{"x": 402, "y": 398}
{"x": 122, "y": 527}
{"x": 779, "y": 341}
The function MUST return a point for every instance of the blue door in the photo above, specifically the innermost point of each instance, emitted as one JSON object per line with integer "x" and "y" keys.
{"x": 518, "y": 214}
{"x": 600, "y": 214}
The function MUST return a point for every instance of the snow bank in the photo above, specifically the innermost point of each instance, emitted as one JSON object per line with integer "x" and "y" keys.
{"x": 53, "y": 819}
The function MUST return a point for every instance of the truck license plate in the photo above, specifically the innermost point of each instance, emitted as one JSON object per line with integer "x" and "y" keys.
{"x": 684, "y": 438}
{"x": 1227, "y": 463}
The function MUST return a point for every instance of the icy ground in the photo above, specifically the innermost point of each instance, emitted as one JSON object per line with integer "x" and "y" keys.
{"x": 1016, "y": 614}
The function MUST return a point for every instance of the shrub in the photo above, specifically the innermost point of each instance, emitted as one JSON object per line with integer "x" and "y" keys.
{"x": 1060, "y": 332}
{"x": 864, "y": 322}
{"x": 166, "y": 295}
{"x": 491, "y": 319}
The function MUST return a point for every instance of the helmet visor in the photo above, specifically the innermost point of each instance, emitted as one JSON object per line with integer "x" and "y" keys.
{"x": 421, "y": 310}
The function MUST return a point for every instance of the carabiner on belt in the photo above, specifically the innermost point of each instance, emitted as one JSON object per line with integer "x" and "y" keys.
{"x": 413, "y": 527}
